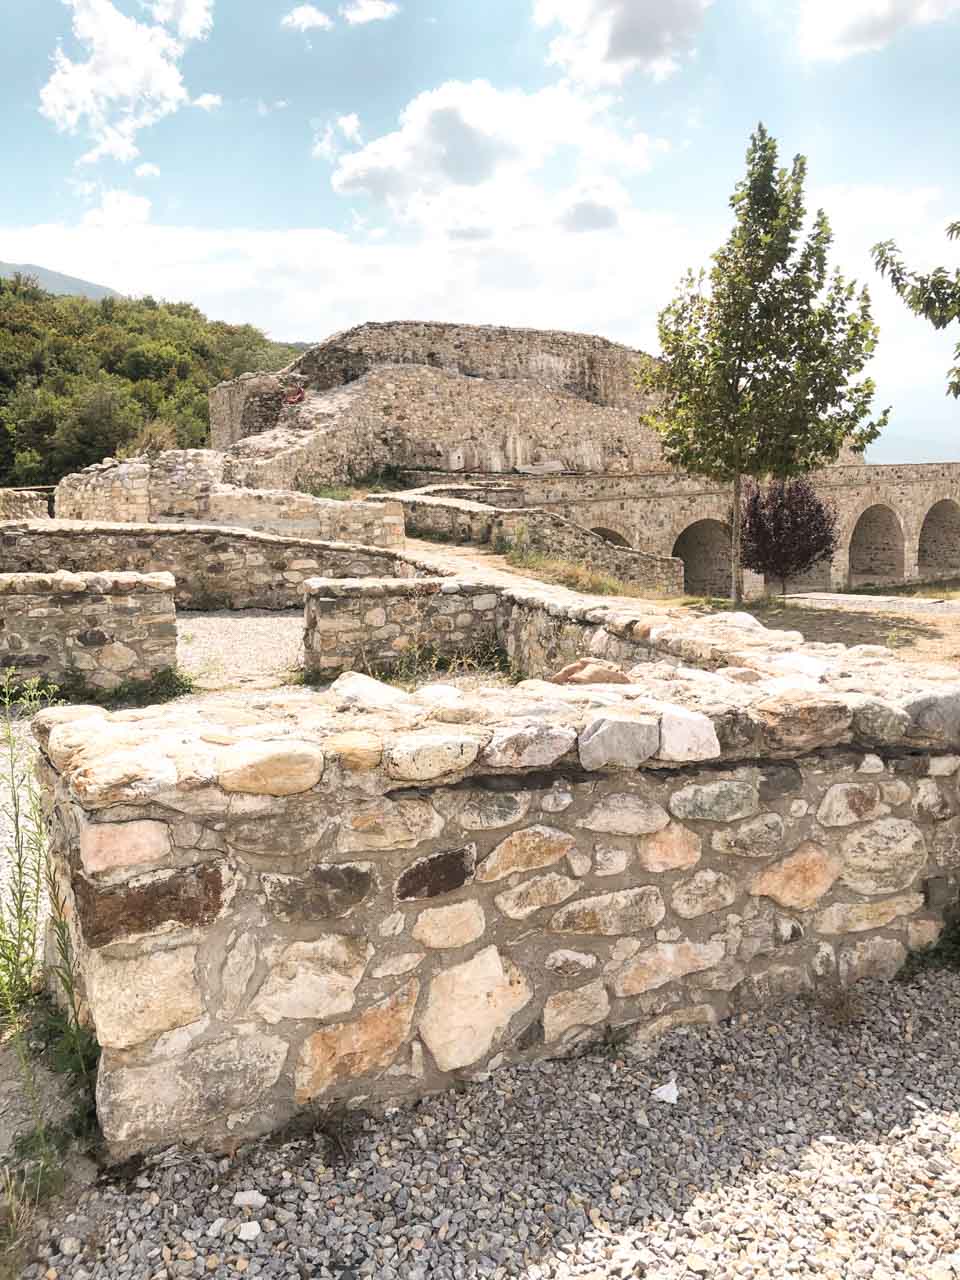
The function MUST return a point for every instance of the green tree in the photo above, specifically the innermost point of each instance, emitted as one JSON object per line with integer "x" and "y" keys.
{"x": 761, "y": 356}
{"x": 935, "y": 296}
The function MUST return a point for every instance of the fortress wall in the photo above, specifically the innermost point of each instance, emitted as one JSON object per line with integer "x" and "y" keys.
{"x": 100, "y": 628}
{"x": 214, "y": 567}
{"x": 22, "y": 504}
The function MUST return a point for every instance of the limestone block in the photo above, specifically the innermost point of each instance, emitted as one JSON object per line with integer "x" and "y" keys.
{"x": 877, "y": 721}
{"x": 798, "y": 721}
{"x": 284, "y": 767}
{"x": 883, "y": 857}
{"x": 107, "y": 847}
{"x": 487, "y": 810}
{"x": 871, "y": 958}
{"x": 757, "y": 838}
{"x": 705, "y": 891}
{"x": 582, "y": 1007}
{"x": 569, "y": 964}
{"x": 352, "y": 690}
{"x": 610, "y": 914}
{"x": 687, "y": 735}
{"x": 383, "y": 823}
{"x": 313, "y": 979}
{"x": 421, "y": 756}
{"x": 619, "y": 741}
{"x": 526, "y": 850}
{"x": 529, "y": 897}
{"x": 133, "y": 1000}
{"x": 356, "y": 750}
{"x": 858, "y": 917}
{"x": 531, "y": 746}
{"x": 453, "y": 926}
{"x": 397, "y": 966}
{"x": 665, "y": 962}
{"x": 801, "y": 879}
{"x": 721, "y": 801}
{"x": 930, "y": 801}
{"x": 626, "y": 815}
{"x": 611, "y": 860}
{"x": 848, "y": 802}
{"x": 469, "y": 1007}
{"x": 923, "y": 933}
{"x": 237, "y": 970}
{"x": 350, "y": 1049}
{"x": 671, "y": 849}
{"x": 697, "y": 1015}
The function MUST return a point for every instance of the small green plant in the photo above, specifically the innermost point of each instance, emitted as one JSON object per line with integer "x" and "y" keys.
{"x": 164, "y": 686}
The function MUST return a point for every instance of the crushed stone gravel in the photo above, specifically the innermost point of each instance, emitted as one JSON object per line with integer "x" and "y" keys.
{"x": 224, "y": 649}
{"x": 797, "y": 1147}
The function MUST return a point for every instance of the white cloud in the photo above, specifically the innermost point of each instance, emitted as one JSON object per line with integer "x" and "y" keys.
{"x": 208, "y": 101}
{"x": 193, "y": 19}
{"x": 119, "y": 210}
{"x": 147, "y": 171}
{"x": 833, "y": 31}
{"x": 327, "y": 145}
{"x": 604, "y": 41}
{"x": 468, "y": 151}
{"x": 369, "y": 11}
{"x": 349, "y": 126}
{"x": 307, "y": 17}
{"x": 266, "y": 108}
{"x": 127, "y": 79}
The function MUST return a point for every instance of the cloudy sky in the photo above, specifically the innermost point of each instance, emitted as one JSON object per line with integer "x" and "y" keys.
{"x": 555, "y": 163}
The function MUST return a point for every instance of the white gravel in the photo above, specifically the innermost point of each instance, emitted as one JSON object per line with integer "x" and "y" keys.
{"x": 796, "y": 1148}
{"x": 252, "y": 646}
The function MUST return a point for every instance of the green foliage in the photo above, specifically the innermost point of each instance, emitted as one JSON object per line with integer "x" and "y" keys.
{"x": 762, "y": 357}
{"x": 81, "y": 380}
{"x": 166, "y": 685}
{"x": 935, "y": 296}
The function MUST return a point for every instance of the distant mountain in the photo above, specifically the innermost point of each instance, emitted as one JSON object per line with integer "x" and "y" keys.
{"x": 55, "y": 282}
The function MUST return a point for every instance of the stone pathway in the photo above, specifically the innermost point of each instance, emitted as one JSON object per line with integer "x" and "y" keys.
{"x": 805, "y": 1141}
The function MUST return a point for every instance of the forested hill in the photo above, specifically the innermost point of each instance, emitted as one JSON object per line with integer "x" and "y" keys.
{"x": 81, "y": 380}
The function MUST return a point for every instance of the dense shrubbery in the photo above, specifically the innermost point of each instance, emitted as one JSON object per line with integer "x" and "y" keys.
{"x": 81, "y": 380}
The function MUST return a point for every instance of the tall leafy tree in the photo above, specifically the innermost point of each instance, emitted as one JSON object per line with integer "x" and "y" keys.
{"x": 762, "y": 356}
{"x": 787, "y": 528}
{"x": 935, "y": 296}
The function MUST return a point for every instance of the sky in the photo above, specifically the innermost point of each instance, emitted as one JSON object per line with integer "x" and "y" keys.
{"x": 552, "y": 163}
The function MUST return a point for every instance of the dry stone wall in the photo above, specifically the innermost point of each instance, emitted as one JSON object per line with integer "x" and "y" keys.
{"x": 186, "y": 486}
{"x": 214, "y": 567}
{"x": 22, "y": 504}
{"x": 99, "y": 628}
{"x": 364, "y": 895}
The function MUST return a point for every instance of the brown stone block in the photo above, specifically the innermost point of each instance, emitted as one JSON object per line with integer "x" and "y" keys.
{"x": 188, "y": 898}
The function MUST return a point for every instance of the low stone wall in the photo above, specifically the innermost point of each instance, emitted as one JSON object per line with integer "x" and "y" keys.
{"x": 365, "y": 895}
{"x": 376, "y": 625}
{"x": 187, "y": 486}
{"x": 215, "y": 567}
{"x": 22, "y": 504}
{"x": 100, "y": 628}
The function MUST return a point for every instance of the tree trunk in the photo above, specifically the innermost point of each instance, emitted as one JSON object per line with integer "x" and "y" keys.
{"x": 736, "y": 568}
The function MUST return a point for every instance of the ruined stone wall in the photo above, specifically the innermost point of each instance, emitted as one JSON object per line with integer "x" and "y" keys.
{"x": 378, "y": 624}
{"x": 22, "y": 504}
{"x": 369, "y": 894}
{"x": 186, "y": 486}
{"x": 100, "y": 628}
{"x": 214, "y": 567}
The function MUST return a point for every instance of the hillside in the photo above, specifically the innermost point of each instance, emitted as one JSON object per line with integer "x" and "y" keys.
{"x": 56, "y": 283}
{"x": 83, "y": 379}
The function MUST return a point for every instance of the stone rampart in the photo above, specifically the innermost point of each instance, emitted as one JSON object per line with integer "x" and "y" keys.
{"x": 365, "y": 895}
{"x": 186, "y": 486}
{"x": 98, "y": 628}
{"x": 22, "y": 504}
{"x": 215, "y": 567}
{"x": 380, "y": 624}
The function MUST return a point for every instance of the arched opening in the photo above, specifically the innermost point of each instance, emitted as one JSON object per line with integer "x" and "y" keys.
{"x": 938, "y": 554}
{"x": 611, "y": 535}
{"x": 876, "y": 547}
{"x": 704, "y": 548}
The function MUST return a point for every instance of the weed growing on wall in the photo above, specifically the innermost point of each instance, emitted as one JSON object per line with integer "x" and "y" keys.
{"x": 164, "y": 686}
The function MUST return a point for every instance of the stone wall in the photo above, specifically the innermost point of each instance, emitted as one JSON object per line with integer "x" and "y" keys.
{"x": 100, "y": 628}
{"x": 214, "y": 567}
{"x": 22, "y": 504}
{"x": 186, "y": 486}
{"x": 365, "y": 895}
{"x": 377, "y": 625}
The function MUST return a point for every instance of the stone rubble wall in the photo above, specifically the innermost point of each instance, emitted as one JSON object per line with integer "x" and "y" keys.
{"x": 103, "y": 628}
{"x": 186, "y": 486}
{"x": 366, "y": 895}
{"x": 380, "y": 624}
{"x": 215, "y": 567}
{"x": 23, "y": 504}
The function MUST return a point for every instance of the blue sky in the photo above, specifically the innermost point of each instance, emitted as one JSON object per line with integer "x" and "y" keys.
{"x": 556, "y": 163}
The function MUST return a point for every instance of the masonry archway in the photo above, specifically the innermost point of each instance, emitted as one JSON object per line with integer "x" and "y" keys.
{"x": 876, "y": 547}
{"x": 704, "y": 548}
{"x": 611, "y": 535}
{"x": 938, "y": 551}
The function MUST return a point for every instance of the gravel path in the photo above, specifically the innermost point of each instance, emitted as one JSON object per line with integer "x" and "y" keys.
{"x": 873, "y": 604}
{"x": 238, "y": 648}
{"x": 797, "y": 1147}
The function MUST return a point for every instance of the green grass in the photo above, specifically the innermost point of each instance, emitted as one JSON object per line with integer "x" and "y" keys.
{"x": 166, "y": 685}
{"x": 567, "y": 574}
{"x": 949, "y": 589}
{"x": 421, "y": 664}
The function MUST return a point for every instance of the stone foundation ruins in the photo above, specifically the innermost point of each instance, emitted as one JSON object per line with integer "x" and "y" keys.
{"x": 95, "y": 629}
{"x": 364, "y": 894}
{"x": 22, "y": 504}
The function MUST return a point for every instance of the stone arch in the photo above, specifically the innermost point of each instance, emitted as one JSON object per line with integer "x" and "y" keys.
{"x": 611, "y": 535}
{"x": 938, "y": 549}
{"x": 704, "y": 548}
{"x": 876, "y": 551}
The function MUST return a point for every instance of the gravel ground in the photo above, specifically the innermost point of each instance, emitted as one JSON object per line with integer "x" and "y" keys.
{"x": 226, "y": 649}
{"x": 797, "y": 1147}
